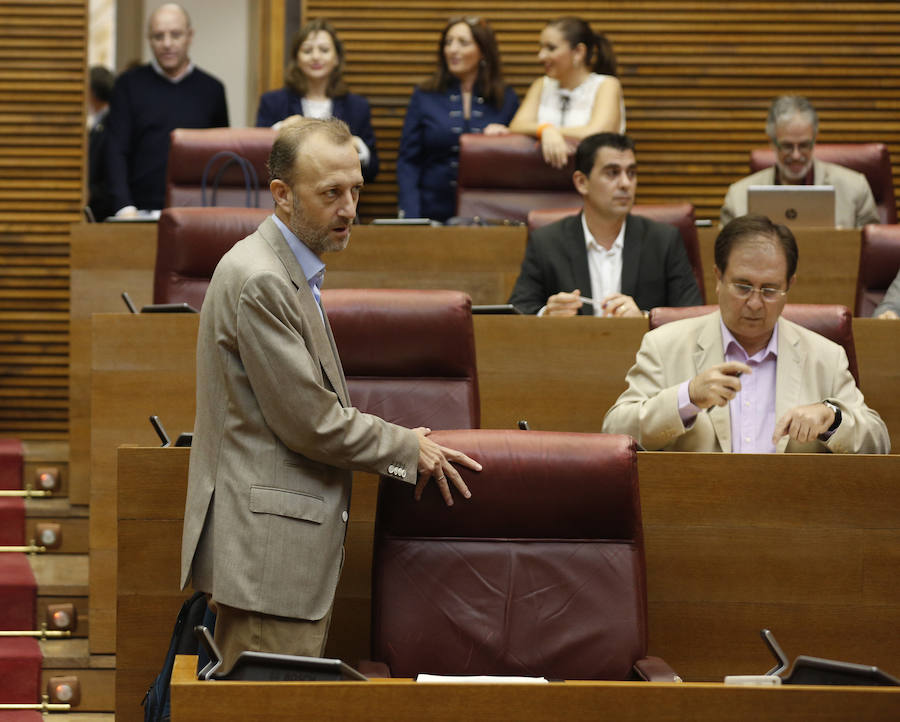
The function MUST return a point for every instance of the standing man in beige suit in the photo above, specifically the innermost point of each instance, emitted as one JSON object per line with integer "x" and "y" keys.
{"x": 743, "y": 378}
{"x": 275, "y": 437}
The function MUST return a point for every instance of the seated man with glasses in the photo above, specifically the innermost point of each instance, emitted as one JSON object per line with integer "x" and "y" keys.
{"x": 792, "y": 126}
{"x": 742, "y": 378}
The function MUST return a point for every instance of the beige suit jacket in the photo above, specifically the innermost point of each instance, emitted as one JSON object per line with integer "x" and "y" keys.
{"x": 274, "y": 440}
{"x": 810, "y": 369}
{"x": 854, "y": 205}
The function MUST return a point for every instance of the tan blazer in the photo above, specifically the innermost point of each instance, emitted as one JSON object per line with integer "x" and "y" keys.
{"x": 810, "y": 369}
{"x": 854, "y": 204}
{"x": 274, "y": 440}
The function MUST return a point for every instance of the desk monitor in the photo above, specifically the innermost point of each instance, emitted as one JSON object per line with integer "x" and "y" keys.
{"x": 815, "y": 670}
{"x": 795, "y": 206}
{"x": 169, "y": 308}
{"x": 496, "y": 308}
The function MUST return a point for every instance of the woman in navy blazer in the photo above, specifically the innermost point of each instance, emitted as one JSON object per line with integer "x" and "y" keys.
{"x": 466, "y": 94}
{"x": 314, "y": 87}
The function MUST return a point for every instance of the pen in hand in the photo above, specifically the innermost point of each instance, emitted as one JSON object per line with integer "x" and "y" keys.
{"x": 737, "y": 375}
{"x": 588, "y": 299}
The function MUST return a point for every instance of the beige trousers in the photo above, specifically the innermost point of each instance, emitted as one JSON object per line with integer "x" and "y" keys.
{"x": 238, "y": 630}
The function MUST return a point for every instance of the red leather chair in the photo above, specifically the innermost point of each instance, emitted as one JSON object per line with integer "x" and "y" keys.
{"x": 879, "y": 261}
{"x": 408, "y": 356}
{"x": 503, "y": 177}
{"x": 540, "y": 573}
{"x": 680, "y": 215}
{"x": 190, "y": 242}
{"x": 832, "y": 321}
{"x": 871, "y": 159}
{"x": 189, "y": 152}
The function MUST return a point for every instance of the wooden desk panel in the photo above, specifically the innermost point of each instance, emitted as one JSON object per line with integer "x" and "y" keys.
{"x": 484, "y": 262}
{"x": 481, "y": 261}
{"x": 106, "y": 259}
{"x": 406, "y": 701}
{"x": 559, "y": 374}
{"x": 808, "y": 546}
{"x": 141, "y": 365}
{"x": 878, "y": 352}
{"x": 826, "y": 271}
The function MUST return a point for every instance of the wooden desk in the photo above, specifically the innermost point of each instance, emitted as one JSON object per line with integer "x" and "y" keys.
{"x": 808, "y": 546}
{"x": 484, "y": 262}
{"x": 826, "y": 272}
{"x": 559, "y": 374}
{"x": 407, "y": 701}
{"x": 106, "y": 259}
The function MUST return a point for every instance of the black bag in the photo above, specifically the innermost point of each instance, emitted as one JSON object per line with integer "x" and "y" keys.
{"x": 251, "y": 179}
{"x": 156, "y": 701}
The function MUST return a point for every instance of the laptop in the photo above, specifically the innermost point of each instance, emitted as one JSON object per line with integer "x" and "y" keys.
{"x": 795, "y": 206}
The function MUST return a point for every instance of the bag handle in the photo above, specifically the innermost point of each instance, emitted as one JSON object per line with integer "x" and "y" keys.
{"x": 251, "y": 179}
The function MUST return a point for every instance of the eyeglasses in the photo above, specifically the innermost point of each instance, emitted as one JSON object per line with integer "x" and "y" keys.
{"x": 805, "y": 147}
{"x": 743, "y": 291}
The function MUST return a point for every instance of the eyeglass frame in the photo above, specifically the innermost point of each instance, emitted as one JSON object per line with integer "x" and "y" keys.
{"x": 744, "y": 291}
{"x": 804, "y": 147}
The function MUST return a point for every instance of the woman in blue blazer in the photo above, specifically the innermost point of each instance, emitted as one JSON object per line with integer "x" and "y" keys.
{"x": 466, "y": 94}
{"x": 314, "y": 87}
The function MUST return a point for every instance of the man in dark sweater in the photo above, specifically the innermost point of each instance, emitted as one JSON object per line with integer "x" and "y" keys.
{"x": 149, "y": 102}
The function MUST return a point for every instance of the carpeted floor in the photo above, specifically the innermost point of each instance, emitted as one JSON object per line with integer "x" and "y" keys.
{"x": 20, "y": 657}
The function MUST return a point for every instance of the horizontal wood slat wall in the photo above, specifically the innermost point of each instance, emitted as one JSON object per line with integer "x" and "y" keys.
{"x": 42, "y": 86}
{"x": 698, "y": 76}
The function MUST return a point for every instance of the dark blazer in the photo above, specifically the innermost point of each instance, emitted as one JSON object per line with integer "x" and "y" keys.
{"x": 428, "y": 158}
{"x": 655, "y": 266}
{"x": 353, "y": 109}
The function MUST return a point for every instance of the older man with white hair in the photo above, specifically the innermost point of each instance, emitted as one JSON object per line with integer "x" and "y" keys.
{"x": 792, "y": 126}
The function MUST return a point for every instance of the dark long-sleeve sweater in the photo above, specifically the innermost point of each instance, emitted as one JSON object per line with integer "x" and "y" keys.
{"x": 144, "y": 109}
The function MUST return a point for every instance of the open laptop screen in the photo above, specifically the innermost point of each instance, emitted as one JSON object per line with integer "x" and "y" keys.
{"x": 795, "y": 206}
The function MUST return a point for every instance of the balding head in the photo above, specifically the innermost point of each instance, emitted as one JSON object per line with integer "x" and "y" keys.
{"x": 170, "y": 34}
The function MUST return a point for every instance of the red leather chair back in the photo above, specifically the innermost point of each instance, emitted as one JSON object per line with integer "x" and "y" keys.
{"x": 541, "y": 572}
{"x": 832, "y": 321}
{"x": 189, "y": 152}
{"x": 879, "y": 261}
{"x": 190, "y": 242}
{"x": 680, "y": 215}
{"x": 409, "y": 356}
{"x": 506, "y": 176}
{"x": 871, "y": 159}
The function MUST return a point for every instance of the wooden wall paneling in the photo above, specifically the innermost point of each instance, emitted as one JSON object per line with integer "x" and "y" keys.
{"x": 698, "y": 75}
{"x": 42, "y": 137}
{"x": 270, "y": 20}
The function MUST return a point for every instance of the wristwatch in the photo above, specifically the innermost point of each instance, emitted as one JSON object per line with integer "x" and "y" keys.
{"x": 837, "y": 416}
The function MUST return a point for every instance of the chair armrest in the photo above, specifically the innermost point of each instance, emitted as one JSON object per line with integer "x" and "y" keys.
{"x": 374, "y": 670}
{"x": 654, "y": 669}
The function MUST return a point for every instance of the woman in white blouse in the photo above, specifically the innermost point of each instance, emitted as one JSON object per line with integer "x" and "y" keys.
{"x": 579, "y": 94}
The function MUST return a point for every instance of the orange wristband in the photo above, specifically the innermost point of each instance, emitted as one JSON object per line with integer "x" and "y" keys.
{"x": 541, "y": 128}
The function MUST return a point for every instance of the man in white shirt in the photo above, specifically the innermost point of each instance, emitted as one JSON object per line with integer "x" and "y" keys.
{"x": 624, "y": 263}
